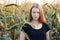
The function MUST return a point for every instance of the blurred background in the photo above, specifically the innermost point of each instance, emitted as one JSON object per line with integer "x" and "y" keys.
{"x": 13, "y": 14}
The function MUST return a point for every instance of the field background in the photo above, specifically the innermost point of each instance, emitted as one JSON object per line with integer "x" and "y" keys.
{"x": 13, "y": 14}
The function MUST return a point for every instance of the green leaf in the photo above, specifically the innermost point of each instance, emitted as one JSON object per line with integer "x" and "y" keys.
{"x": 1, "y": 16}
{"x": 11, "y": 5}
{"x": 12, "y": 27}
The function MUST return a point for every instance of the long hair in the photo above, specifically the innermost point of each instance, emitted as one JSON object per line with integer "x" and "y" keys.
{"x": 41, "y": 14}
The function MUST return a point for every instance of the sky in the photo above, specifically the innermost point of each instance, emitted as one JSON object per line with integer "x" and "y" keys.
{"x": 33, "y": 1}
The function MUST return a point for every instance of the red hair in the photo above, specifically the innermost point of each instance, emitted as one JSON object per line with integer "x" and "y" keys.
{"x": 41, "y": 18}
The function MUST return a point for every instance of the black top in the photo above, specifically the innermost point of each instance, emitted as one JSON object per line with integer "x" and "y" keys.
{"x": 36, "y": 34}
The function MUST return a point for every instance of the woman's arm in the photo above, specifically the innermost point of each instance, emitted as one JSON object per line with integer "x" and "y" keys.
{"x": 22, "y": 36}
{"x": 47, "y": 35}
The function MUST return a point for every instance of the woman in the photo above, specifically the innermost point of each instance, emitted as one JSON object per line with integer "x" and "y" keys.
{"x": 36, "y": 27}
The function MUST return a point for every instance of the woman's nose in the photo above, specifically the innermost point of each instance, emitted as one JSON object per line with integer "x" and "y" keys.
{"x": 36, "y": 13}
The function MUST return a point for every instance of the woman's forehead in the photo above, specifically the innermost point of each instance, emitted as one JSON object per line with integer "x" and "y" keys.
{"x": 35, "y": 9}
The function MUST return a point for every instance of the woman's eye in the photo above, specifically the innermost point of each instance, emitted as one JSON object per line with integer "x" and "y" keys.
{"x": 38, "y": 12}
{"x": 34, "y": 12}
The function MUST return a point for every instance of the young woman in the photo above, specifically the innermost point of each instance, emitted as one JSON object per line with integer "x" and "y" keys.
{"x": 36, "y": 27}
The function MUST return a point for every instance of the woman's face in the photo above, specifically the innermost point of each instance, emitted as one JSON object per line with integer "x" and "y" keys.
{"x": 35, "y": 13}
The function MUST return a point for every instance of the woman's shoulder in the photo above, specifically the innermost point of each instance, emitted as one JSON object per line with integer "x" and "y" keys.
{"x": 45, "y": 24}
{"x": 26, "y": 24}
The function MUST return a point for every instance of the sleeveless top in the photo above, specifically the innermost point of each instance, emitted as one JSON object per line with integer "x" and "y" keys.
{"x": 35, "y": 34}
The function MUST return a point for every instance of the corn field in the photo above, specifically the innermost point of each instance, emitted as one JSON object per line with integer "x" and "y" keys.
{"x": 13, "y": 16}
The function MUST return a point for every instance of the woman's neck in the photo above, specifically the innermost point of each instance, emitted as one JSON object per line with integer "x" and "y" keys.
{"x": 35, "y": 22}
